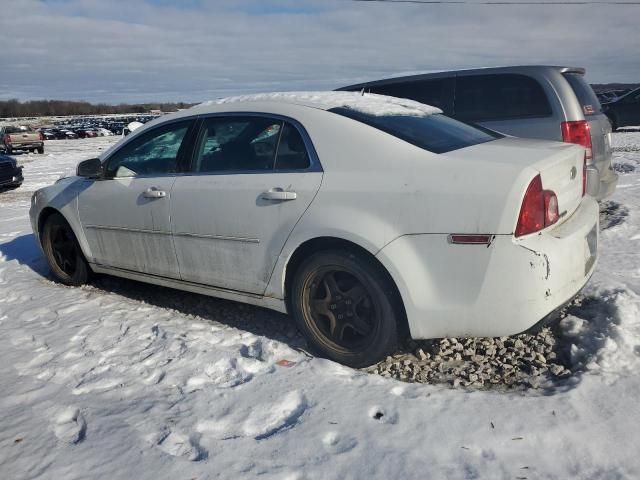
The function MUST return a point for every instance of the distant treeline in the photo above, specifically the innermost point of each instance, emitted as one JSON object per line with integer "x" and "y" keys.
{"x": 51, "y": 108}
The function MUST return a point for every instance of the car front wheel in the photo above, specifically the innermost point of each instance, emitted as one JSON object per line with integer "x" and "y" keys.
{"x": 63, "y": 253}
{"x": 346, "y": 307}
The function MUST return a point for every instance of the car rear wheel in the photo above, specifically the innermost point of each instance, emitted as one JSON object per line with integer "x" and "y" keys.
{"x": 63, "y": 253}
{"x": 346, "y": 307}
{"x": 40, "y": 150}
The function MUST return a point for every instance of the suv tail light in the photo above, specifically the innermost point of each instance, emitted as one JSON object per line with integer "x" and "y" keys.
{"x": 41, "y": 137}
{"x": 539, "y": 209}
{"x": 578, "y": 132}
{"x": 7, "y": 138}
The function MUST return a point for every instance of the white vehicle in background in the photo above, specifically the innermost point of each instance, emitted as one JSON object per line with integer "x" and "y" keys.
{"x": 366, "y": 217}
{"x": 103, "y": 132}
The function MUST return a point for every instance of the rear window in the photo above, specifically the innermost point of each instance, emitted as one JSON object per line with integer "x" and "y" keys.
{"x": 586, "y": 96}
{"x": 498, "y": 97}
{"x": 434, "y": 133}
{"x": 18, "y": 130}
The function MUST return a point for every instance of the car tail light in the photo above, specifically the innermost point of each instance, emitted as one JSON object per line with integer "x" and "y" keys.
{"x": 578, "y": 132}
{"x": 539, "y": 209}
{"x": 7, "y": 138}
{"x": 41, "y": 137}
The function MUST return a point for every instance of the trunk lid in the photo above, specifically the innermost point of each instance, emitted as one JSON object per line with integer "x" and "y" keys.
{"x": 560, "y": 166}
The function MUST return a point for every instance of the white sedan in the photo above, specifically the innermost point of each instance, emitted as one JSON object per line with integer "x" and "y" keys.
{"x": 367, "y": 218}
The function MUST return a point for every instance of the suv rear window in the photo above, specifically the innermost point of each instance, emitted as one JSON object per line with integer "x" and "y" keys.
{"x": 499, "y": 97}
{"x": 434, "y": 133}
{"x": 586, "y": 96}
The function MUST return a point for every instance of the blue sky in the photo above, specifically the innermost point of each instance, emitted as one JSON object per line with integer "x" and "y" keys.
{"x": 159, "y": 50}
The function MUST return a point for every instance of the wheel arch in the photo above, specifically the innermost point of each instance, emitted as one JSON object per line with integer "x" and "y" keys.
{"x": 46, "y": 212}
{"x": 319, "y": 244}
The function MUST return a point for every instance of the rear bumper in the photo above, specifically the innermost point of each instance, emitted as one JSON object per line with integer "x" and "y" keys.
{"x": 26, "y": 146}
{"x": 607, "y": 186}
{"x": 601, "y": 180}
{"x": 504, "y": 289}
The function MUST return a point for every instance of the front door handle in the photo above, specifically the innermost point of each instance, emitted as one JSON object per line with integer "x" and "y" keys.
{"x": 154, "y": 192}
{"x": 278, "y": 194}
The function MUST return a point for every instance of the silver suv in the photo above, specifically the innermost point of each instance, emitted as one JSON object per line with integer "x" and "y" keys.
{"x": 547, "y": 102}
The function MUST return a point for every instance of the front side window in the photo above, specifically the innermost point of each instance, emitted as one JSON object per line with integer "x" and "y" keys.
{"x": 249, "y": 144}
{"x": 499, "y": 96}
{"x": 152, "y": 153}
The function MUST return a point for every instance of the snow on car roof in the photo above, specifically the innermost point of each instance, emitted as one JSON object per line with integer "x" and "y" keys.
{"x": 369, "y": 103}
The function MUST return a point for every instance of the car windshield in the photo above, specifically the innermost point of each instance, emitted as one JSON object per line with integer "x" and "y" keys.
{"x": 435, "y": 133}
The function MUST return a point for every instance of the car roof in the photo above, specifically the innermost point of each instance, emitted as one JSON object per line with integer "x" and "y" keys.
{"x": 448, "y": 73}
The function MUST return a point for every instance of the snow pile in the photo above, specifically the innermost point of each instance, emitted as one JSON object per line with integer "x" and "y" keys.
{"x": 369, "y": 103}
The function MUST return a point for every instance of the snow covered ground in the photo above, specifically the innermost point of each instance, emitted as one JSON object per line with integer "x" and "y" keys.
{"x": 120, "y": 380}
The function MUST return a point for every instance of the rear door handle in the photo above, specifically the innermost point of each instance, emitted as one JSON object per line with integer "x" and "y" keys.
{"x": 278, "y": 194}
{"x": 154, "y": 192}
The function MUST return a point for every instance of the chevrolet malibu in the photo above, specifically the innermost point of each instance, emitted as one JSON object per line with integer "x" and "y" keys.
{"x": 367, "y": 218}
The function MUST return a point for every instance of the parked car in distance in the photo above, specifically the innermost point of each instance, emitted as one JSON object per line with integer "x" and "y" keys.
{"x": 10, "y": 173}
{"x": 546, "y": 102}
{"x": 624, "y": 111}
{"x": 21, "y": 138}
{"x": 610, "y": 95}
{"x": 365, "y": 217}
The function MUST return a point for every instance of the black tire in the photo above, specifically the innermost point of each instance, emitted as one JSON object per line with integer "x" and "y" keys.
{"x": 63, "y": 253}
{"x": 614, "y": 123}
{"x": 40, "y": 150}
{"x": 346, "y": 307}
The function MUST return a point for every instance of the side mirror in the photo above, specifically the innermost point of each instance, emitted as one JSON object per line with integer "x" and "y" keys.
{"x": 91, "y": 168}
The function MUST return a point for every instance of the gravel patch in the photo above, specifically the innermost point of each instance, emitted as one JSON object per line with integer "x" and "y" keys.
{"x": 529, "y": 360}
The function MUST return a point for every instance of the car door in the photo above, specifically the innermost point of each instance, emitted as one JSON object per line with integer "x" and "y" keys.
{"x": 126, "y": 214}
{"x": 252, "y": 179}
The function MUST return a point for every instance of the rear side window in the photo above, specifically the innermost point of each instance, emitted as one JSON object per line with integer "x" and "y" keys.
{"x": 434, "y": 133}
{"x": 497, "y": 97}
{"x": 437, "y": 92}
{"x": 586, "y": 96}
